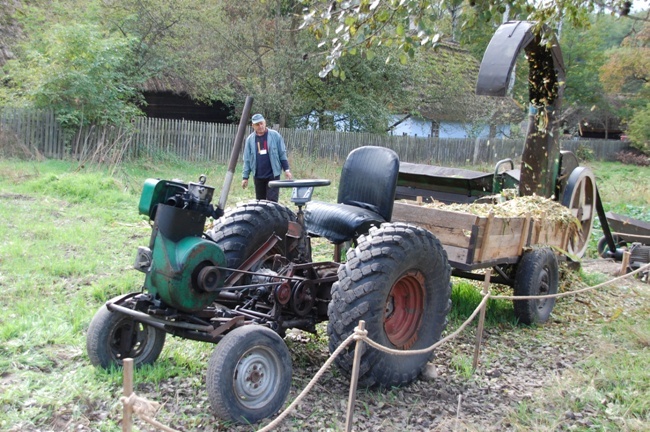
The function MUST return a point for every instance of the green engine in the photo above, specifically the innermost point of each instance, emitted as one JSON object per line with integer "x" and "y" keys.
{"x": 180, "y": 263}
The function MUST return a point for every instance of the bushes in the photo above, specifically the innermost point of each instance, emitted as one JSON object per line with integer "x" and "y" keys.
{"x": 633, "y": 157}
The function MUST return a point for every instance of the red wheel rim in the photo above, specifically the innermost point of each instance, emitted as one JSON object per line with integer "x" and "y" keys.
{"x": 404, "y": 310}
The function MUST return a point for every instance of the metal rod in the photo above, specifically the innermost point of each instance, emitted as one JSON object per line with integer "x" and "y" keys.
{"x": 236, "y": 150}
{"x": 604, "y": 224}
{"x": 481, "y": 277}
{"x": 156, "y": 322}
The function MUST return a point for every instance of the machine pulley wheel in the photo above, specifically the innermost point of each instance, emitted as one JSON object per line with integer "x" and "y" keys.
{"x": 303, "y": 298}
{"x": 580, "y": 197}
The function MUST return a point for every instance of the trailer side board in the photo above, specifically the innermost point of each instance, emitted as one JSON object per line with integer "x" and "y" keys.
{"x": 477, "y": 241}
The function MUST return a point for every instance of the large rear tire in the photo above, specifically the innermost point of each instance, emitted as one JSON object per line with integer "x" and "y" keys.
{"x": 249, "y": 375}
{"x": 397, "y": 280}
{"x": 113, "y": 336}
{"x": 242, "y": 230}
{"x": 537, "y": 274}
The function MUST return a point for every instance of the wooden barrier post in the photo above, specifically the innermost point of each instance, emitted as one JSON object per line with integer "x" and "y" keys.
{"x": 625, "y": 263}
{"x": 127, "y": 390}
{"x": 481, "y": 320}
{"x": 354, "y": 379}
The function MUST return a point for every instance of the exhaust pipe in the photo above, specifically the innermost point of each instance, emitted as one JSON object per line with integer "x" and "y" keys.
{"x": 234, "y": 155}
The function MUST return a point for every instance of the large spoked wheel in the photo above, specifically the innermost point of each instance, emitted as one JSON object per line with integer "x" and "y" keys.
{"x": 537, "y": 274}
{"x": 580, "y": 197}
{"x": 244, "y": 229}
{"x": 249, "y": 375}
{"x": 397, "y": 280}
{"x": 113, "y": 336}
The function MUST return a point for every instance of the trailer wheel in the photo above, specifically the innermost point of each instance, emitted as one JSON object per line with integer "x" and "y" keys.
{"x": 113, "y": 336}
{"x": 249, "y": 374}
{"x": 397, "y": 279}
{"x": 242, "y": 230}
{"x": 537, "y": 274}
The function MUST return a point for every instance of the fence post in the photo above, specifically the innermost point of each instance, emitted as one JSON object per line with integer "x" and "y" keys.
{"x": 481, "y": 320}
{"x": 354, "y": 379}
{"x": 127, "y": 390}
{"x": 624, "y": 263}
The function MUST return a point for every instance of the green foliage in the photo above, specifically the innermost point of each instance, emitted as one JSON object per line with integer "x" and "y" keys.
{"x": 639, "y": 129}
{"x": 465, "y": 297}
{"x": 626, "y": 77}
{"x": 364, "y": 26}
{"x": 610, "y": 387}
{"x": 175, "y": 44}
{"x": 80, "y": 71}
{"x": 363, "y": 101}
{"x": 462, "y": 364}
{"x": 584, "y": 153}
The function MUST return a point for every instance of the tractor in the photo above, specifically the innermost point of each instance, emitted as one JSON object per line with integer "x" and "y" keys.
{"x": 242, "y": 283}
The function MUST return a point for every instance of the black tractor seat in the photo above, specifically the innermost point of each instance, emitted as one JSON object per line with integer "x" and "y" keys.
{"x": 365, "y": 199}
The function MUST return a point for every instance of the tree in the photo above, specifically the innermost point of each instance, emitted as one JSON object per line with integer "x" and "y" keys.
{"x": 626, "y": 74}
{"x": 174, "y": 45}
{"x": 362, "y": 97}
{"x": 583, "y": 50}
{"x": 364, "y": 25}
{"x": 80, "y": 71}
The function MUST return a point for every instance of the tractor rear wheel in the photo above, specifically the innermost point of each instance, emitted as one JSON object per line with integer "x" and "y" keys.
{"x": 242, "y": 230}
{"x": 397, "y": 280}
{"x": 249, "y": 374}
{"x": 113, "y": 336}
{"x": 537, "y": 274}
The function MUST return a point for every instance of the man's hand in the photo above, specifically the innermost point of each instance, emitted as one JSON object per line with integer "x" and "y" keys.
{"x": 244, "y": 183}
{"x": 288, "y": 175}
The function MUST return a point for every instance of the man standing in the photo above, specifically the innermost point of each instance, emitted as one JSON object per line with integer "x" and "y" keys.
{"x": 265, "y": 156}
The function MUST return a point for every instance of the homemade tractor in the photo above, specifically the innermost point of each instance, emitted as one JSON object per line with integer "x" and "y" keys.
{"x": 247, "y": 280}
{"x": 242, "y": 283}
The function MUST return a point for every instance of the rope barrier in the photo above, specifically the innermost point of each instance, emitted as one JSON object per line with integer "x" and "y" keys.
{"x": 568, "y": 293}
{"x": 145, "y": 408}
{"x": 311, "y": 383}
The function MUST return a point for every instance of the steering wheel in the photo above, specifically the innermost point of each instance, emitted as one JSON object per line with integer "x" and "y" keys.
{"x": 302, "y": 189}
{"x": 299, "y": 183}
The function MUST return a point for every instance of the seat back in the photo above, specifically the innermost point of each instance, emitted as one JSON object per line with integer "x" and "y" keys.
{"x": 369, "y": 179}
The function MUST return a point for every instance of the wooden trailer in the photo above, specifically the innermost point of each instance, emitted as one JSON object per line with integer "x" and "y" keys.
{"x": 474, "y": 242}
{"x": 523, "y": 251}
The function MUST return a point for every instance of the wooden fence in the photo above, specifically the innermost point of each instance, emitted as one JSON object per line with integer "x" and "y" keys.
{"x": 39, "y": 132}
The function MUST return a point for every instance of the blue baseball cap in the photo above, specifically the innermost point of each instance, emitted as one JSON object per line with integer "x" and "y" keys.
{"x": 257, "y": 118}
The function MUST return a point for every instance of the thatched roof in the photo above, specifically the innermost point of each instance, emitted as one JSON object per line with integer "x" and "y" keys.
{"x": 448, "y": 93}
{"x": 164, "y": 84}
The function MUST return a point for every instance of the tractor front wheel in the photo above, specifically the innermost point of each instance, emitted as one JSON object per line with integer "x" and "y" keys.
{"x": 113, "y": 337}
{"x": 397, "y": 280}
{"x": 249, "y": 374}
